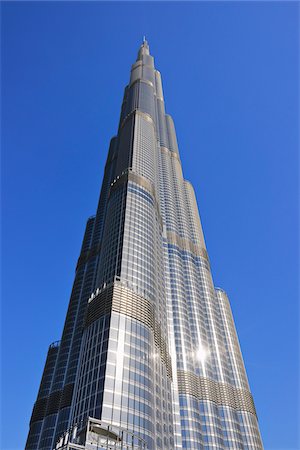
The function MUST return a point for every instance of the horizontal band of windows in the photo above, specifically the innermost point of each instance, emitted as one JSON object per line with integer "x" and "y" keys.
{"x": 52, "y": 404}
{"x": 144, "y": 115}
{"x": 117, "y": 297}
{"x": 217, "y": 392}
{"x": 170, "y": 153}
{"x": 142, "y": 183}
{"x": 142, "y": 80}
{"x": 186, "y": 243}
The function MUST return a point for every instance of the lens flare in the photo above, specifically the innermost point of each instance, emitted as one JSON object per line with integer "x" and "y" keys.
{"x": 201, "y": 353}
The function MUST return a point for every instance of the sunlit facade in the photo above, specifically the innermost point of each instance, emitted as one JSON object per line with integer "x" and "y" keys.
{"x": 149, "y": 344}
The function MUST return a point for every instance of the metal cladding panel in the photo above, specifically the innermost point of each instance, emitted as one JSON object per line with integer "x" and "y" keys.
{"x": 162, "y": 127}
{"x": 171, "y": 134}
{"x": 40, "y": 407}
{"x": 136, "y": 73}
{"x": 193, "y": 215}
{"x": 112, "y": 242}
{"x": 144, "y": 158}
{"x": 109, "y": 174}
{"x": 230, "y": 339}
{"x": 158, "y": 85}
{"x": 146, "y": 98}
{"x": 39, "y": 410}
{"x": 132, "y": 100}
{"x": 48, "y": 370}
{"x": 149, "y": 60}
{"x": 125, "y": 143}
{"x": 148, "y": 74}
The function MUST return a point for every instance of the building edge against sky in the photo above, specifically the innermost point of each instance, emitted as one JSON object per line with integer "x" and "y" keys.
{"x": 149, "y": 344}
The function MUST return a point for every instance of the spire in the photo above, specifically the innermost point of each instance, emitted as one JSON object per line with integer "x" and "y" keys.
{"x": 144, "y": 49}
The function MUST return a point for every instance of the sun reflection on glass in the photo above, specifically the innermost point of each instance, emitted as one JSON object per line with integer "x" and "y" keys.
{"x": 201, "y": 353}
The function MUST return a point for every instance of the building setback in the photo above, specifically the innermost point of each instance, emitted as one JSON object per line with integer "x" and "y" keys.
{"x": 149, "y": 344}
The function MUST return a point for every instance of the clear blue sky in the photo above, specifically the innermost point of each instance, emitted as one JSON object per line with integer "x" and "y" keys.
{"x": 230, "y": 74}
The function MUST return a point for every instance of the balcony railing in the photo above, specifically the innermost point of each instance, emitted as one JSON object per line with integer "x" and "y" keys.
{"x": 94, "y": 434}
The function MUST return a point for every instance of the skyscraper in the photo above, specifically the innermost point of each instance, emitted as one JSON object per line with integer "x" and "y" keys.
{"x": 149, "y": 344}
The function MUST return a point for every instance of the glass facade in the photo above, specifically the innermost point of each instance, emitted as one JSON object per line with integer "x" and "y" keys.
{"x": 149, "y": 344}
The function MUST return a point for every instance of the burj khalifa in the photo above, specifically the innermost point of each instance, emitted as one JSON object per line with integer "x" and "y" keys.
{"x": 149, "y": 356}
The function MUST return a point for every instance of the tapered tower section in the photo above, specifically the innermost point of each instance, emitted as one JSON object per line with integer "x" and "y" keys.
{"x": 149, "y": 345}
